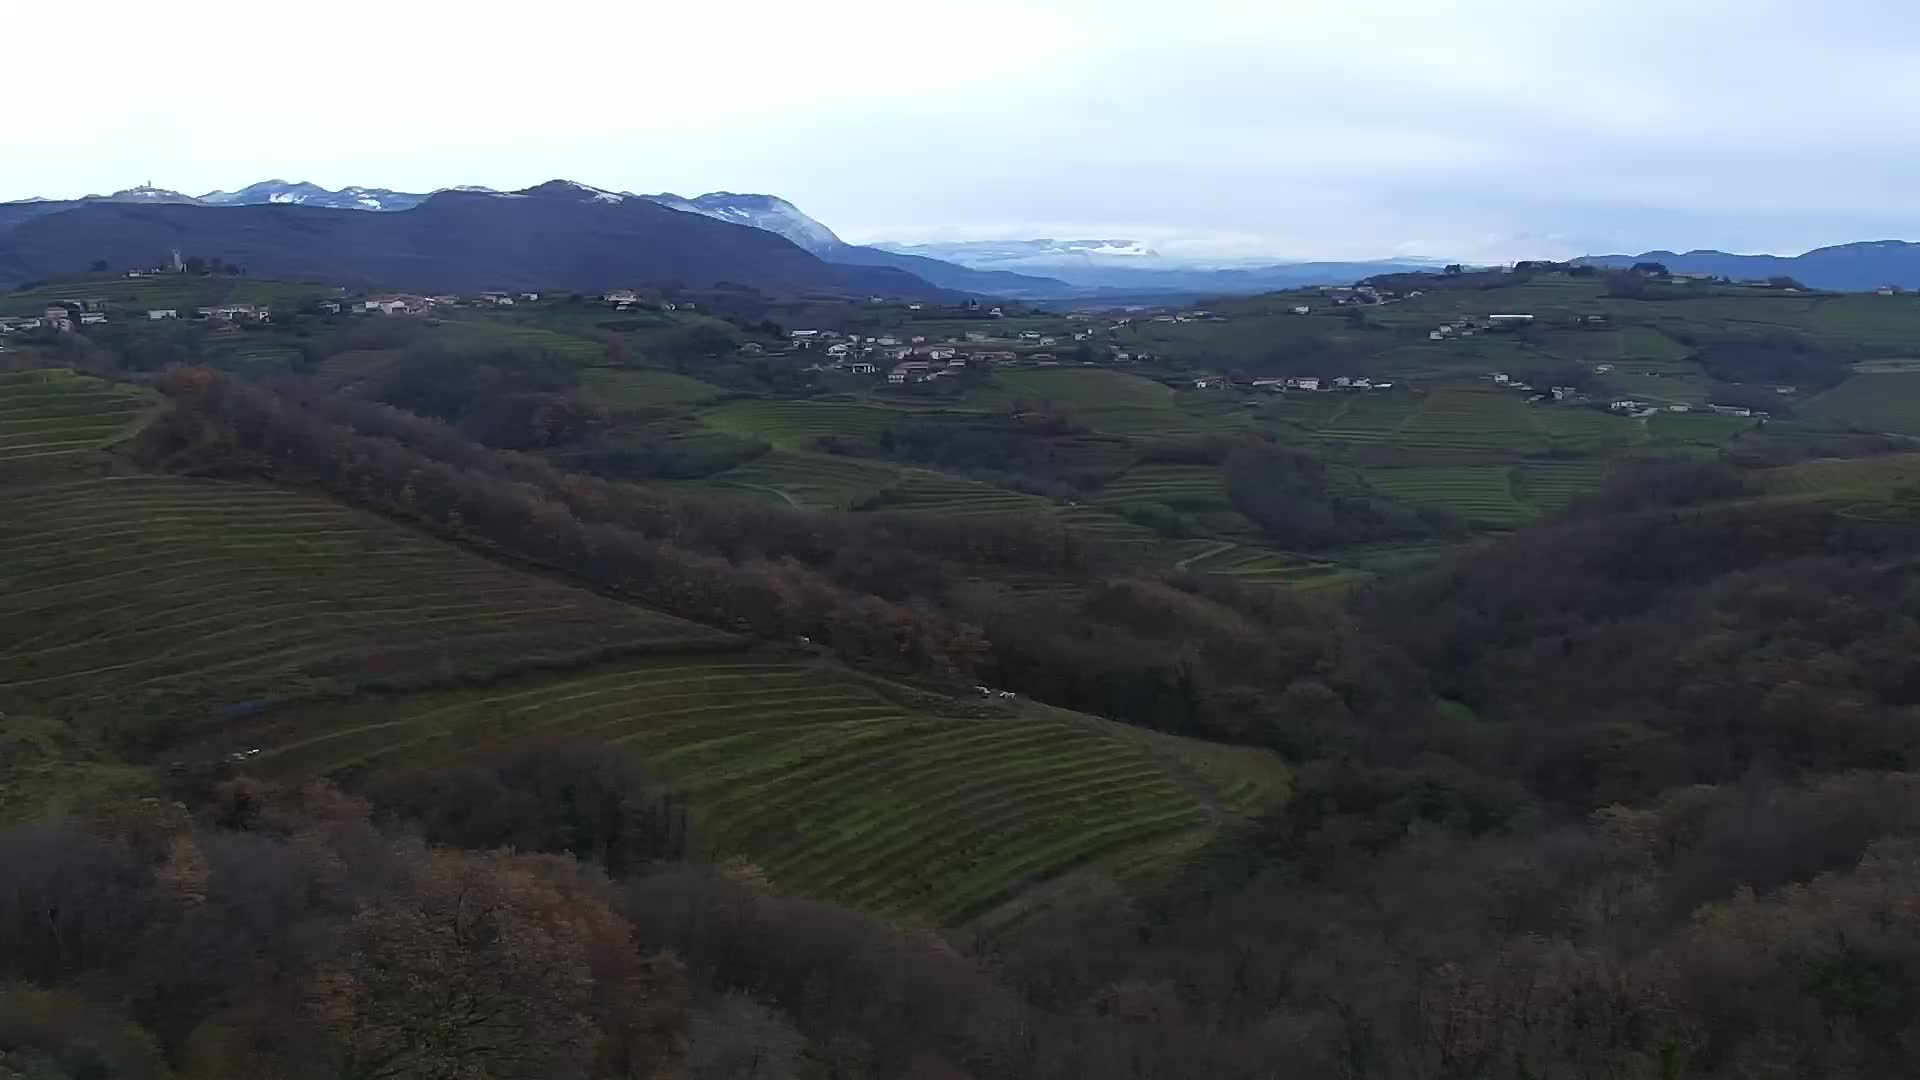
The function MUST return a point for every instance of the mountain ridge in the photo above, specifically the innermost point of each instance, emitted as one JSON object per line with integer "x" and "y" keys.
{"x": 558, "y": 235}
{"x": 1859, "y": 266}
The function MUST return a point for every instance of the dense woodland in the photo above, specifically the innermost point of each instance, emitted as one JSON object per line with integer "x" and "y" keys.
{"x": 1629, "y": 793}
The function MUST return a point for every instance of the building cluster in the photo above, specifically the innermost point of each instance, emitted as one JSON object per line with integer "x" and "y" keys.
{"x": 62, "y": 316}
{"x": 628, "y": 300}
{"x": 1309, "y": 383}
{"x": 412, "y": 304}
{"x": 1467, "y": 326}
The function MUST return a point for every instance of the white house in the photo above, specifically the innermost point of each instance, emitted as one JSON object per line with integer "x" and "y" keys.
{"x": 1499, "y": 378}
{"x": 838, "y": 349}
{"x": 1510, "y": 319}
{"x": 863, "y": 368}
{"x": 162, "y": 313}
{"x": 1435, "y": 335}
{"x": 90, "y": 318}
{"x": 622, "y": 296}
{"x": 888, "y": 341}
{"x": 940, "y": 353}
{"x": 1307, "y": 382}
{"x": 1342, "y": 381}
{"x": 1301, "y": 309}
{"x": 529, "y": 296}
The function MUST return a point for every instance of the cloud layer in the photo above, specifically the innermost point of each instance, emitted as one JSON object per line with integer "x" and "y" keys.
{"x": 1482, "y": 130}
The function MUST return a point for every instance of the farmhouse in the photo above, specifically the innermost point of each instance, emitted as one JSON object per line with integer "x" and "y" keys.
{"x": 90, "y": 318}
{"x": 1305, "y": 382}
{"x": 55, "y": 318}
{"x": 233, "y": 313}
{"x": 162, "y": 313}
{"x": 1729, "y": 410}
{"x": 622, "y": 296}
{"x": 1301, "y": 309}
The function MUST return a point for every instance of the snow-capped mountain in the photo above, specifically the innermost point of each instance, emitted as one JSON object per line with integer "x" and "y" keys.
{"x": 768, "y": 212}
{"x": 1026, "y": 255}
{"x": 302, "y": 193}
{"x": 140, "y": 194}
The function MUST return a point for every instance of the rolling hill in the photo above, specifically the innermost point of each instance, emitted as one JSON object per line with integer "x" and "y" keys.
{"x": 1856, "y": 267}
{"x": 559, "y": 235}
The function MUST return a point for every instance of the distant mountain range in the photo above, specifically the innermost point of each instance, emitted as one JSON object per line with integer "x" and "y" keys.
{"x": 559, "y": 235}
{"x": 1131, "y": 266}
{"x": 765, "y": 212}
{"x": 1854, "y": 267}
{"x": 1039, "y": 269}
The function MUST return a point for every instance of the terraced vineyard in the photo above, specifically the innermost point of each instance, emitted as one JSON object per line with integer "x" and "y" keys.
{"x": 834, "y": 788}
{"x": 1479, "y": 493}
{"x": 51, "y": 417}
{"x": 246, "y": 353}
{"x": 1173, "y": 485}
{"x": 169, "y": 598}
{"x": 1372, "y": 417}
{"x": 626, "y": 389}
{"x": 1552, "y": 484}
{"x": 812, "y": 481}
{"x": 796, "y": 425}
{"x": 921, "y": 491}
{"x": 1469, "y": 420}
{"x": 1264, "y": 566}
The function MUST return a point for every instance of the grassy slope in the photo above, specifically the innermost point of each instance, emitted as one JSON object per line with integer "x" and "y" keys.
{"x": 838, "y": 785}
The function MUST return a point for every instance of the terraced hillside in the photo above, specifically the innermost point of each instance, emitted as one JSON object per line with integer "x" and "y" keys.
{"x": 1551, "y": 484}
{"x": 1479, "y": 493}
{"x": 52, "y": 417}
{"x": 921, "y": 491}
{"x": 798, "y": 425}
{"x": 809, "y": 481}
{"x": 169, "y": 599}
{"x": 1172, "y": 485}
{"x": 826, "y": 780}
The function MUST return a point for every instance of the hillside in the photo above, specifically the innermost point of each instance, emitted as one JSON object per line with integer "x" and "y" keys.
{"x": 777, "y": 215}
{"x": 1857, "y": 267}
{"x": 556, "y": 236}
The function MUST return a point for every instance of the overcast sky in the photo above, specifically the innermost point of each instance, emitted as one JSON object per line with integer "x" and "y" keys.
{"x": 1477, "y": 130}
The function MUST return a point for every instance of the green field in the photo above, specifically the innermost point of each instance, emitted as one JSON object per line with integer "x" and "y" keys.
{"x": 1482, "y": 494}
{"x": 827, "y": 781}
{"x": 1551, "y": 484}
{"x": 810, "y": 481}
{"x": 629, "y": 389}
{"x": 1888, "y": 402}
{"x": 1103, "y": 400}
{"x": 167, "y": 598}
{"x": 51, "y": 417}
{"x": 1171, "y": 485}
{"x": 1471, "y": 420}
{"x": 252, "y": 354}
{"x": 496, "y": 333}
{"x": 1263, "y": 566}
{"x": 922, "y": 491}
{"x": 132, "y": 298}
{"x": 798, "y": 425}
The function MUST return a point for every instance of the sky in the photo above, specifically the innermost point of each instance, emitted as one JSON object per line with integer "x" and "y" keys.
{"x": 1481, "y": 130}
